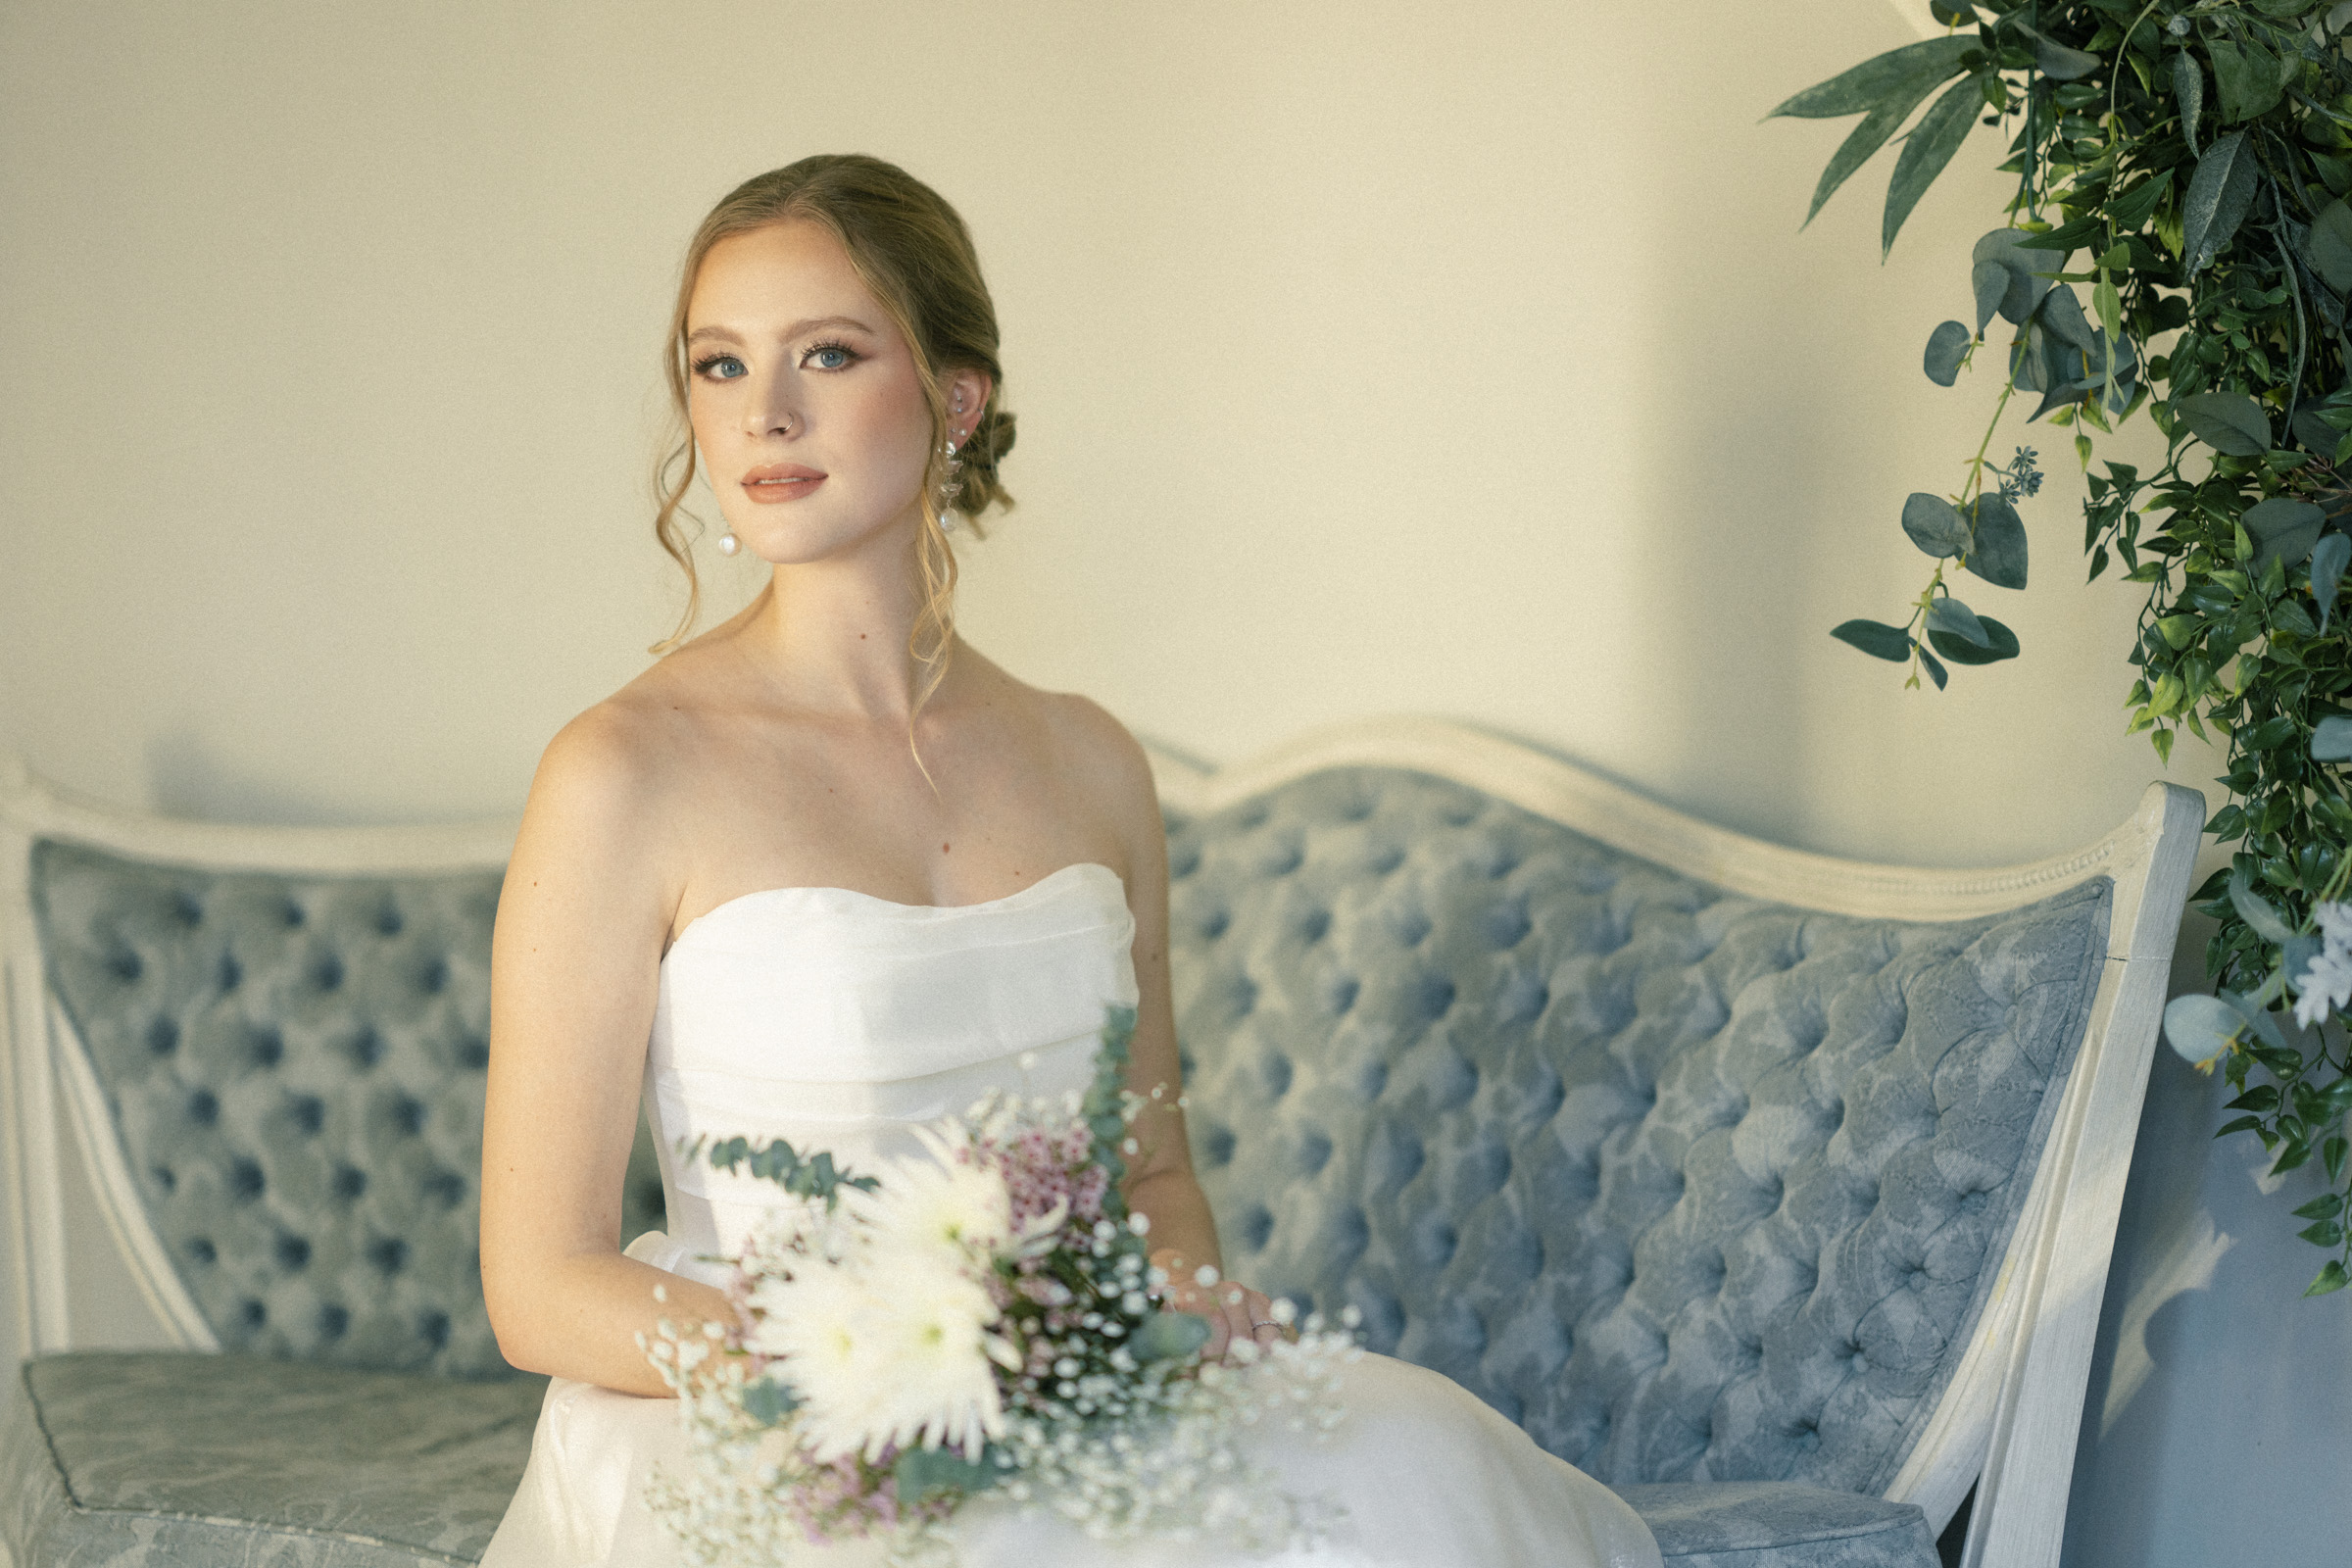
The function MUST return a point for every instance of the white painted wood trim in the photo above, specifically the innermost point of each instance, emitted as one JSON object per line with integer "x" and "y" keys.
{"x": 118, "y": 1190}
{"x": 1616, "y": 816}
{"x": 2007, "y": 1423}
{"x": 37, "y": 1210}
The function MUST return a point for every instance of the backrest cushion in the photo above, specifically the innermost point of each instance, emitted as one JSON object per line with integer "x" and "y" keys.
{"x": 1694, "y": 1187}
{"x": 295, "y": 1069}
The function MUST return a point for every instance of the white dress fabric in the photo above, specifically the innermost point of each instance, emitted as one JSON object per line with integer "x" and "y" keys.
{"x": 838, "y": 1022}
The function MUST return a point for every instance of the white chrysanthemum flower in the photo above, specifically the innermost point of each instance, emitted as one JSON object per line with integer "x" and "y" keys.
{"x": 2335, "y": 924}
{"x": 889, "y": 1348}
{"x": 935, "y": 1201}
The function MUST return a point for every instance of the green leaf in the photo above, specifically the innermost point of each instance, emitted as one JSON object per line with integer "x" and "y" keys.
{"x": 2330, "y": 1278}
{"x": 2332, "y": 740}
{"x": 2324, "y": 1206}
{"x": 2243, "y": 1124}
{"x": 1166, "y": 1335}
{"x": 2247, "y": 79}
{"x": 1946, "y": 345}
{"x": 2068, "y": 237}
{"x": 2332, "y": 1155}
{"x": 2257, "y": 910}
{"x": 2061, "y": 63}
{"x": 2007, "y": 248}
{"x": 1949, "y": 615}
{"x": 2062, "y": 313}
{"x": 2325, "y": 1233}
{"x": 1935, "y": 668}
{"x": 2219, "y": 194}
{"x": 1935, "y": 524}
{"x": 2284, "y": 529}
{"x": 2229, "y": 423}
{"x": 2328, "y": 558}
{"x": 2131, "y": 211}
{"x": 1879, "y": 640}
{"x": 768, "y": 1401}
{"x": 2328, "y": 248}
{"x": 1927, "y": 147}
{"x": 1989, "y": 282}
{"x": 2199, "y": 1027}
{"x": 921, "y": 1473}
{"x": 2000, "y": 643}
{"x": 1865, "y": 139}
{"x": 1875, "y": 80}
{"x": 1997, "y": 548}
{"x": 2188, "y": 91}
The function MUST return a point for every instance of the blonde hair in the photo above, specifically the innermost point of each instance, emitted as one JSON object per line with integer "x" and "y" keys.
{"x": 914, "y": 255}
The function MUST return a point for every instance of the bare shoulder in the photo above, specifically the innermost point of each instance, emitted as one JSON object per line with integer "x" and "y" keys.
{"x": 606, "y": 783}
{"x": 1097, "y": 748}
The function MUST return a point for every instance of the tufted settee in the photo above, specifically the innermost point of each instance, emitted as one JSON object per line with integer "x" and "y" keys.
{"x": 1776, "y": 1192}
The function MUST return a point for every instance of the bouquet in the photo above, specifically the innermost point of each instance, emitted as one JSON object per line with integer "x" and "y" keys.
{"x": 978, "y": 1321}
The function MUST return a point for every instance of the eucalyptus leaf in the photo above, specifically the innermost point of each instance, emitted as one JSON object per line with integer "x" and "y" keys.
{"x": 2001, "y": 643}
{"x": 2256, "y": 1009}
{"x": 1168, "y": 1335}
{"x": 2188, "y": 91}
{"x": 2006, "y": 248}
{"x": 2030, "y": 360}
{"x": 2284, "y": 529}
{"x": 2199, "y": 1027}
{"x": 1989, "y": 281}
{"x": 1927, "y": 147}
{"x": 2062, "y": 312}
{"x": 2245, "y": 78}
{"x": 1997, "y": 548}
{"x": 2328, "y": 247}
{"x": 919, "y": 1473}
{"x": 1946, "y": 345}
{"x": 2328, "y": 559}
{"x": 2294, "y": 962}
{"x": 2230, "y": 423}
{"x": 2332, "y": 740}
{"x": 1935, "y": 524}
{"x": 768, "y": 1401}
{"x": 2219, "y": 194}
{"x": 1875, "y": 80}
{"x": 2257, "y": 910}
{"x": 1949, "y": 615}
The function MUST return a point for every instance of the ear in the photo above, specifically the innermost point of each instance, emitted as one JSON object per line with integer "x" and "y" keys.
{"x": 973, "y": 387}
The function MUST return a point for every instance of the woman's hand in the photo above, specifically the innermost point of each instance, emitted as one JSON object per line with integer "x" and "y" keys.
{"x": 1234, "y": 1310}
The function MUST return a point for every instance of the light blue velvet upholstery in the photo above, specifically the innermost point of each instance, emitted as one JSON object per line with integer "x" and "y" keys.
{"x": 296, "y": 1065}
{"x": 112, "y": 1459}
{"x": 1700, "y": 1188}
{"x": 1780, "y": 1524}
{"x": 1694, "y": 1187}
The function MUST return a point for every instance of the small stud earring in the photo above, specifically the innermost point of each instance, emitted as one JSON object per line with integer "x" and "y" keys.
{"x": 728, "y": 544}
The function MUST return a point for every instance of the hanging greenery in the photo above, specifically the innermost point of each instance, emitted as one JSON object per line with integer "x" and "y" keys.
{"x": 2187, "y": 164}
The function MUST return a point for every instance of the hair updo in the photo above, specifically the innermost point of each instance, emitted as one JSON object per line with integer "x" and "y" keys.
{"x": 914, "y": 255}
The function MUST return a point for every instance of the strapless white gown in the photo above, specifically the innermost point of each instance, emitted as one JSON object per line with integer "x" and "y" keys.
{"x": 838, "y": 1020}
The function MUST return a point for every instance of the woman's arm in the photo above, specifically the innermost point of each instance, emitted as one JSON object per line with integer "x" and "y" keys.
{"x": 1160, "y": 1183}
{"x": 573, "y": 969}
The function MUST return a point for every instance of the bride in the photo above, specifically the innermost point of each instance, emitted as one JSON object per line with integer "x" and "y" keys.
{"x": 823, "y": 873}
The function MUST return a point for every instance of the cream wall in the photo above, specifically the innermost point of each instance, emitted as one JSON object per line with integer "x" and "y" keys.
{"x": 1369, "y": 357}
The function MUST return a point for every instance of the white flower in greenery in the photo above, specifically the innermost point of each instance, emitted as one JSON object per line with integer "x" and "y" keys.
{"x": 890, "y": 1347}
{"x": 937, "y": 1201}
{"x": 2325, "y": 986}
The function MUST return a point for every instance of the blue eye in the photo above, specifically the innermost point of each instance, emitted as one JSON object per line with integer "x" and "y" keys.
{"x": 709, "y": 366}
{"x": 830, "y": 357}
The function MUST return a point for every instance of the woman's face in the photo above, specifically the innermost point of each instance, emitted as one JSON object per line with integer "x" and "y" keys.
{"x": 804, "y": 396}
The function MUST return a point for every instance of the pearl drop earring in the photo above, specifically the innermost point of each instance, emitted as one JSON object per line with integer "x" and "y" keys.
{"x": 728, "y": 544}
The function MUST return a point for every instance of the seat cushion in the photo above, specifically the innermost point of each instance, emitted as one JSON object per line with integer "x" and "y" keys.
{"x": 120, "y": 1457}
{"x": 1781, "y": 1524}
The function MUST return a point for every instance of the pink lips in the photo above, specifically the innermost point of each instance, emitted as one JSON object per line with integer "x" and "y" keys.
{"x": 781, "y": 481}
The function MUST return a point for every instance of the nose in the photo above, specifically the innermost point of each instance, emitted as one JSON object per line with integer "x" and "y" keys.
{"x": 770, "y": 410}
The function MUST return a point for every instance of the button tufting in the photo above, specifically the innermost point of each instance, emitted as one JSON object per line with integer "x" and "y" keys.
{"x": 1282, "y": 860}
{"x": 202, "y": 1252}
{"x": 1212, "y": 924}
{"x": 1434, "y": 995}
{"x": 185, "y": 909}
{"x": 203, "y": 1109}
{"x": 245, "y": 1178}
{"x": 1216, "y": 1145}
{"x": 163, "y": 1037}
{"x": 124, "y": 966}
{"x": 433, "y": 978}
{"x": 1183, "y": 859}
{"x": 1382, "y": 862}
{"x": 1314, "y": 1152}
{"x": 1521, "y": 998}
{"x": 387, "y": 920}
{"x": 228, "y": 974}
{"x": 265, "y": 1046}
{"x": 445, "y": 1187}
{"x": 1372, "y": 1080}
{"x": 293, "y": 1253}
{"x": 291, "y": 914}
{"x": 164, "y": 1178}
{"x": 254, "y": 1313}
{"x": 1256, "y": 1228}
{"x": 473, "y": 1053}
{"x": 1313, "y": 925}
{"x": 335, "y": 1321}
{"x": 1249, "y": 817}
{"x": 366, "y": 1048}
{"x": 1508, "y": 924}
{"x": 433, "y": 1329}
{"x": 1342, "y": 994}
{"x": 389, "y": 1253}
{"x": 1410, "y": 927}
{"x": 1276, "y": 1072}
{"x": 308, "y": 1112}
{"x": 349, "y": 1182}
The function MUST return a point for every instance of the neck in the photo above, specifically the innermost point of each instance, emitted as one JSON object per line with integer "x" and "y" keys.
{"x": 831, "y": 636}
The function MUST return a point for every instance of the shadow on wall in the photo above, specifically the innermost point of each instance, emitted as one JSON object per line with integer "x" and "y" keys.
{"x": 2207, "y": 1365}
{"x": 187, "y": 777}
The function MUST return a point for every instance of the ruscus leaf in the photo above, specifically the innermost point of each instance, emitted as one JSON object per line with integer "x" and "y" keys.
{"x": 1875, "y": 80}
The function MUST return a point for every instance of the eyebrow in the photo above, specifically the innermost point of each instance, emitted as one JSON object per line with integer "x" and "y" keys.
{"x": 725, "y": 335}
